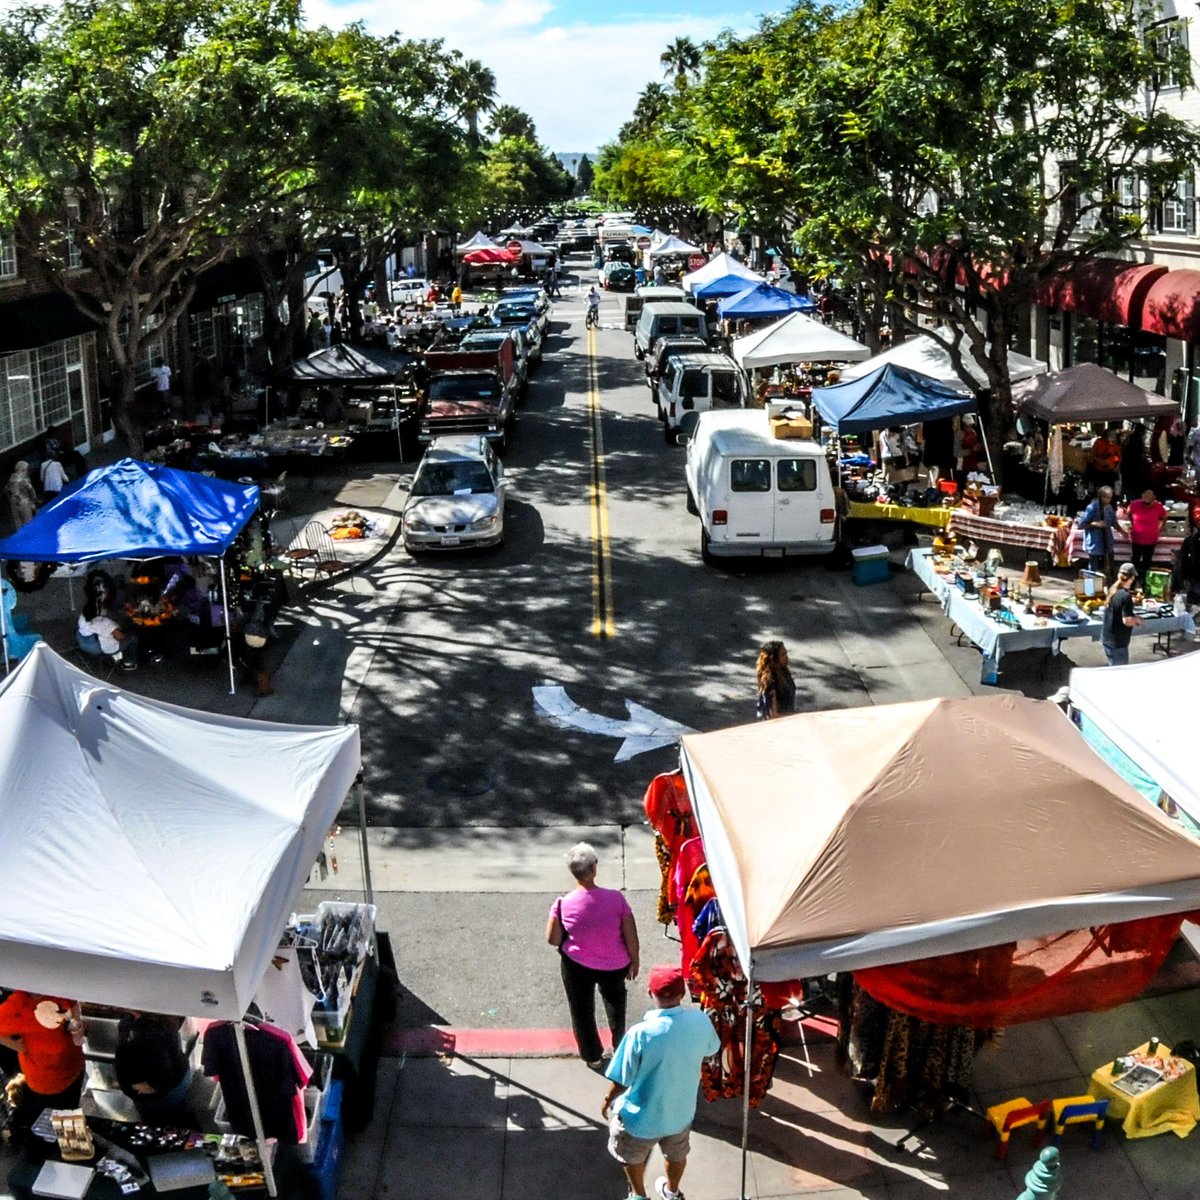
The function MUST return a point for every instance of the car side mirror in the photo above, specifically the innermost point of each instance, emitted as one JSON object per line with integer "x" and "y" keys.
{"x": 687, "y": 428}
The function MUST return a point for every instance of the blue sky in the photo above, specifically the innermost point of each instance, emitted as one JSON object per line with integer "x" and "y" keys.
{"x": 576, "y": 66}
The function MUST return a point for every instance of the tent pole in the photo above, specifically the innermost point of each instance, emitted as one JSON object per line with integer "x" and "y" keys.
{"x": 983, "y": 438}
{"x": 746, "y": 1086}
{"x": 362, "y": 835}
{"x": 239, "y": 1034}
{"x": 4, "y": 622}
{"x": 228, "y": 635}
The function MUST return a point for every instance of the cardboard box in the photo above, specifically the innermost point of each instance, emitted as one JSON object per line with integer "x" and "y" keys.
{"x": 794, "y": 425}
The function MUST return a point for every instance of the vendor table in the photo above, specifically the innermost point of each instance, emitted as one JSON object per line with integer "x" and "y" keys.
{"x": 1164, "y": 552}
{"x": 994, "y": 640}
{"x": 1050, "y": 541}
{"x": 936, "y": 518}
{"x": 1171, "y": 1106}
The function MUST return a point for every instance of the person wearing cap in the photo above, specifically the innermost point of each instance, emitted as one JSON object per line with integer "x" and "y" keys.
{"x": 1119, "y": 618}
{"x": 655, "y": 1073}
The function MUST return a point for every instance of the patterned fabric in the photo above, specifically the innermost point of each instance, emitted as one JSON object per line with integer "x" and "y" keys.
{"x": 669, "y": 809}
{"x": 719, "y": 985}
{"x": 692, "y": 898}
{"x": 666, "y": 892}
{"x": 708, "y": 919}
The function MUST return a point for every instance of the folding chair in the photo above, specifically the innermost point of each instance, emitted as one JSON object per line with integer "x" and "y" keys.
{"x": 275, "y": 493}
{"x": 86, "y": 654}
{"x": 290, "y": 551}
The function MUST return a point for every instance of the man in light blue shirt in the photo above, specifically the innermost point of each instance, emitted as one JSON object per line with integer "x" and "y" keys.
{"x": 655, "y": 1073}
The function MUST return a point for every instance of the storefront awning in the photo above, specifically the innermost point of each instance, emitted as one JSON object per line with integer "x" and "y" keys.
{"x": 36, "y": 321}
{"x": 1106, "y": 289}
{"x": 1172, "y": 306}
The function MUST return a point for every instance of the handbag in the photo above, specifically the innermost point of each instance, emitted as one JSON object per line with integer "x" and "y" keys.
{"x": 558, "y": 932}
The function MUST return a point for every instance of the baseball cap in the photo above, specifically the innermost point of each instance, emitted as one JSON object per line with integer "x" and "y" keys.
{"x": 666, "y": 981}
{"x": 1128, "y": 571}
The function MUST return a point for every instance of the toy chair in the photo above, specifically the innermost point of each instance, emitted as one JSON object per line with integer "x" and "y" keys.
{"x": 1080, "y": 1110}
{"x": 1012, "y": 1114}
{"x": 17, "y": 636}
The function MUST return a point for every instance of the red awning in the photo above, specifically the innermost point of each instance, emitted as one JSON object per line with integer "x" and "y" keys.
{"x": 1104, "y": 288}
{"x": 1172, "y": 306}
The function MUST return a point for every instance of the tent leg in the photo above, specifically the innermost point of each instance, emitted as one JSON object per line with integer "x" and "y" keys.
{"x": 4, "y": 627}
{"x": 362, "y": 835}
{"x": 983, "y": 438}
{"x": 239, "y": 1034}
{"x": 745, "y": 1195}
{"x": 228, "y": 635}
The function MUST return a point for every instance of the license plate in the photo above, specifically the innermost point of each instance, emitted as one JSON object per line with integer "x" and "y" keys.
{"x": 451, "y": 541}
{"x": 773, "y": 552}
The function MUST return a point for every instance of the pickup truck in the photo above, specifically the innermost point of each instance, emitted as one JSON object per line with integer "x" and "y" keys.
{"x": 469, "y": 391}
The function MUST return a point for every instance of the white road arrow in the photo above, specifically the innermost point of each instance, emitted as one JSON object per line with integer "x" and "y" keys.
{"x": 644, "y": 730}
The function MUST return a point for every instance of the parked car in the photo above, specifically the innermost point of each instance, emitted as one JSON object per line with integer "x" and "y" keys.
{"x": 655, "y": 362}
{"x": 698, "y": 383}
{"x": 519, "y": 310}
{"x": 408, "y": 291}
{"x": 492, "y": 339}
{"x": 756, "y": 494}
{"x": 649, "y": 293}
{"x": 618, "y": 277}
{"x": 457, "y": 497}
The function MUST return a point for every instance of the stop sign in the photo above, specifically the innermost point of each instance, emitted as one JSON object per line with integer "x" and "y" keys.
{"x": 514, "y": 246}
{"x": 643, "y": 243}
{"x": 696, "y": 261}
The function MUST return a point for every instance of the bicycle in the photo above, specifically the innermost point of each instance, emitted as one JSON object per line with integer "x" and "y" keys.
{"x": 592, "y": 320}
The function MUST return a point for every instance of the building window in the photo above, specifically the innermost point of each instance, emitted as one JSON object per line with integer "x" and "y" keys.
{"x": 72, "y": 253}
{"x": 1177, "y": 212}
{"x": 1168, "y": 42}
{"x": 8, "y": 255}
{"x": 34, "y": 391}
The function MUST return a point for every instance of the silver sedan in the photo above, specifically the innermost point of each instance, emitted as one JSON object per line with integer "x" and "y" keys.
{"x": 457, "y": 497}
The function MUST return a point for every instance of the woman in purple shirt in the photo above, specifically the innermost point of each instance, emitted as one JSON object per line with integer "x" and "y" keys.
{"x": 597, "y": 940}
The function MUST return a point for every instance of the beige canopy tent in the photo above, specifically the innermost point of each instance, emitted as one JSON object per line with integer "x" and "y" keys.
{"x": 860, "y": 837}
{"x": 1087, "y": 392}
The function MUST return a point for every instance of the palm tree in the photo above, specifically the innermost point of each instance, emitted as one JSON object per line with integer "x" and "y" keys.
{"x": 508, "y": 121}
{"x": 681, "y": 59}
{"x": 651, "y": 105}
{"x": 476, "y": 86}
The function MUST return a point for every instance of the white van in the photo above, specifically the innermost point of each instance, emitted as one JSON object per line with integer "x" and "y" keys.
{"x": 756, "y": 494}
{"x": 666, "y": 320}
{"x": 698, "y": 383}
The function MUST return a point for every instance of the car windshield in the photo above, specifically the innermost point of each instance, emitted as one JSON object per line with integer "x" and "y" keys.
{"x": 452, "y": 479}
{"x": 514, "y": 312}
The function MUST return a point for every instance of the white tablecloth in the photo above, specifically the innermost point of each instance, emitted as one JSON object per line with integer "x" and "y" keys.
{"x": 994, "y": 640}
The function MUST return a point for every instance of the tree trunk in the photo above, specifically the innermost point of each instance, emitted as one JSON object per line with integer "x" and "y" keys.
{"x": 124, "y": 421}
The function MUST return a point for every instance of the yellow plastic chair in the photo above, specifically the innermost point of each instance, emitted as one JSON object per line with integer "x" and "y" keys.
{"x": 1079, "y": 1110}
{"x": 1012, "y": 1114}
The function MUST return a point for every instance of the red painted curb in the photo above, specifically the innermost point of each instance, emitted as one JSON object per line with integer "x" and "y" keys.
{"x": 434, "y": 1040}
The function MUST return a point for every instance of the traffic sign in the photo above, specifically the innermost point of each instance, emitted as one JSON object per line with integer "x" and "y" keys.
{"x": 643, "y": 243}
{"x": 514, "y": 246}
{"x": 696, "y": 261}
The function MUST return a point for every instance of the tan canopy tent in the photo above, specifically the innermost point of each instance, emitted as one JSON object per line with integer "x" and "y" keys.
{"x": 1087, "y": 392}
{"x": 856, "y": 838}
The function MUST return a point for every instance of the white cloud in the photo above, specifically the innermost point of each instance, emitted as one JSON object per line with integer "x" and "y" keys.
{"x": 579, "y": 82}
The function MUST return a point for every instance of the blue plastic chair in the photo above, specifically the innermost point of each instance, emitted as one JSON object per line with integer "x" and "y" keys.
{"x": 18, "y": 637}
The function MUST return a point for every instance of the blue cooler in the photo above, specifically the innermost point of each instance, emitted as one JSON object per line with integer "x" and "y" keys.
{"x": 871, "y": 565}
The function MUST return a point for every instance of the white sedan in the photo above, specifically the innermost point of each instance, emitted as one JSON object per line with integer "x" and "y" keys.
{"x": 457, "y": 497}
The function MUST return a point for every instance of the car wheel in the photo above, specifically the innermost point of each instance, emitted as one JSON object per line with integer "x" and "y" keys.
{"x": 668, "y": 434}
{"x": 705, "y": 553}
{"x": 638, "y": 354}
{"x": 691, "y": 504}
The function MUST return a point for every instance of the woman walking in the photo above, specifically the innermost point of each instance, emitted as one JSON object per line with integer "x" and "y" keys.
{"x": 776, "y": 688}
{"x": 22, "y": 498}
{"x": 597, "y": 940}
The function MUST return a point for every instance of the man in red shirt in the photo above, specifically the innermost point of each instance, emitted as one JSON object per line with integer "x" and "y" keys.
{"x": 47, "y": 1034}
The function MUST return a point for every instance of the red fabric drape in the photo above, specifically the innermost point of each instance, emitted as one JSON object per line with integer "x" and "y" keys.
{"x": 1085, "y": 970}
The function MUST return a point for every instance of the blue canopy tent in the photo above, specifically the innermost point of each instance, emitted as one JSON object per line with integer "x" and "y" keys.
{"x": 133, "y": 509}
{"x": 764, "y": 300}
{"x": 724, "y": 285}
{"x": 891, "y": 395}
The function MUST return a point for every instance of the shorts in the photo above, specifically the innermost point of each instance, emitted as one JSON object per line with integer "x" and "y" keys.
{"x": 633, "y": 1151}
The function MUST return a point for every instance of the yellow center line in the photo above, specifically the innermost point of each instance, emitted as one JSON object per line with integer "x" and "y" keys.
{"x": 603, "y": 625}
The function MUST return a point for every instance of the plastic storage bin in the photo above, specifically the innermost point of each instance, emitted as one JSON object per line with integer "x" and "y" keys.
{"x": 870, "y": 565}
{"x": 327, "y": 1166}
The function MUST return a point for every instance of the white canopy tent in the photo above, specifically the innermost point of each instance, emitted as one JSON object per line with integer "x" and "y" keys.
{"x": 154, "y": 853}
{"x": 808, "y": 821}
{"x": 1145, "y": 711}
{"x": 796, "y": 338}
{"x": 480, "y": 241}
{"x": 931, "y": 358}
{"x": 674, "y": 247}
{"x": 718, "y": 267}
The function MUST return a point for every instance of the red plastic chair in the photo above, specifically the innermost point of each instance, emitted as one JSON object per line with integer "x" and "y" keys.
{"x": 1012, "y": 1114}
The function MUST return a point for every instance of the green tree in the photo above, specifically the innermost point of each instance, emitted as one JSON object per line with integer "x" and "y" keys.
{"x": 150, "y": 136}
{"x": 681, "y": 60}
{"x": 508, "y": 121}
{"x": 475, "y": 86}
{"x": 585, "y": 175}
